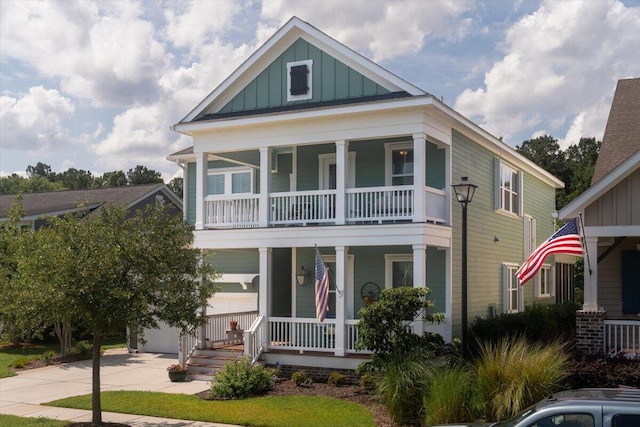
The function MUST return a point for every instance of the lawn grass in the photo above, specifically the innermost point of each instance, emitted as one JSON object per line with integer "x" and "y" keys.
{"x": 9, "y": 354}
{"x": 13, "y": 421}
{"x": 266, "y": 411}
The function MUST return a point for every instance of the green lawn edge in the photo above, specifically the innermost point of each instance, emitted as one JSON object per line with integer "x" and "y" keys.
{"x": 15, "y": 421}
{"x": 266, "y": 411}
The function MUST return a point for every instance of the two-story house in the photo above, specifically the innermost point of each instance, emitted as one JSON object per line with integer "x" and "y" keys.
{"x": 309, "y": 143}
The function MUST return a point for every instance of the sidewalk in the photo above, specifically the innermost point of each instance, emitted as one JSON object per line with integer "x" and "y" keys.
{"x": 24, "y": 394}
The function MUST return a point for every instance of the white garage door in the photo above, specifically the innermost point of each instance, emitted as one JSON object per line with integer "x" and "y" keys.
{"x": 162, "y": 340}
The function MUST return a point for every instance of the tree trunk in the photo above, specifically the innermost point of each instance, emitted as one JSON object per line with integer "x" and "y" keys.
{"x": 96, "y": 407}
{"x": 63, "y": 332}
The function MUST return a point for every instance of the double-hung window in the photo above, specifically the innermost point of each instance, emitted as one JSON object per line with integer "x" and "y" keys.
{"x": 399, "y": 163}
{"x": 508, "y": 188}
{"x": 512, "y": 296}
{"x": 545, "y": 284}
{"x": 230, "y": 181}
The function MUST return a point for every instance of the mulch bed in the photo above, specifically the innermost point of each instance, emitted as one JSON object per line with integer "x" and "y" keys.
{"x": 351, "y": 393}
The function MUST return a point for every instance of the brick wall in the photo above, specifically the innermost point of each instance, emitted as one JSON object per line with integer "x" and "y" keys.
{"x": 590, "y": 331}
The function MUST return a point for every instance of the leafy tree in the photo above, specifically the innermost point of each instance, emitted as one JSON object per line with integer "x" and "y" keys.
{"x": 114, "y": 179}
{"x": 75, "y": 179}
{"x": 112, "y": 269}
{"x": 15, "y": 184}
{"x": 177, "y": 186}
{"x": 41, "y": 169}
{"x": 142, "y": 175}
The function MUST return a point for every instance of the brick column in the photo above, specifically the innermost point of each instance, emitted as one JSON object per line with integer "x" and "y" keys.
{"x": 590, "y": 331}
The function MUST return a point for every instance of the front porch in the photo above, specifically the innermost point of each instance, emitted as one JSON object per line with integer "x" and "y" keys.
{"x": 596, "y": 333}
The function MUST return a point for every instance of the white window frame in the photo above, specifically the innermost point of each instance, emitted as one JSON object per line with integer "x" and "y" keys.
{"x": 228, "y": 177}
{"x": 325, "y": 160}
{"x": 304, "y": 96}
{"x": 389, "y": 148}
{"x": 549, "y": 271}
{"x": 510, "y": 284}
{"x": 389, "y": 259}
{"x": 529, "y": 235}
{"x": 517, "y": 188}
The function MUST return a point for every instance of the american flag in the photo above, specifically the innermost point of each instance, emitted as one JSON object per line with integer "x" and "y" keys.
{"x": 322, "y": 288}
{"x": 564, "y": 241}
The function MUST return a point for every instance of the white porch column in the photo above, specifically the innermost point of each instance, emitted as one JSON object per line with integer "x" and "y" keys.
{"x": 342, "y": 148}
{"x": 419, "y": 176}
{"x": 419, "y": 274}
{"x": 265, "y": 291}
{"x": 591, "y": 280}
{"x": 265, "y": 186}
{"x": 341, "y": 283}
{"x": 201, "y": 188}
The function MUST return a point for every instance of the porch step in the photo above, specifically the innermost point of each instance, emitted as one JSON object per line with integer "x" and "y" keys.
{"x": 204, "y": 363}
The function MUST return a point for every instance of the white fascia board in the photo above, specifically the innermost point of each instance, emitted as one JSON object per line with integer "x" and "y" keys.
{"x": 612, "y": 231}
{"x": 296, "y": 28}
{"x": 498, "y": 147}
{"x": 580, "y": 203}
{"x": 263, "y": 119}
{"x": 346, "y": 235}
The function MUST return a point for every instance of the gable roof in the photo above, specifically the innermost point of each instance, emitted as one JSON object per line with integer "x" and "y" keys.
{"x": 619, "y": 154}
{"x": 61, "y": 202}
{"x": 293, "y": 30}
{"x": 622, "y": 135}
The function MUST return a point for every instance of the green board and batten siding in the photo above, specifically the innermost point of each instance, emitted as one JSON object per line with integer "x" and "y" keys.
{"x": 332, "y": 80}
{"x": 486, "y": 256}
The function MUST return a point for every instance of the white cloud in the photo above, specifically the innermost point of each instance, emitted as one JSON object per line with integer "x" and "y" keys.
{"x": 35, "y": 120}
{"x": 384, "y": 30}
{"x": 560, "y": 65}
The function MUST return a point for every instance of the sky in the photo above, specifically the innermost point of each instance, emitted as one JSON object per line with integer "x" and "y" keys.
{"x": 96, "y": 85}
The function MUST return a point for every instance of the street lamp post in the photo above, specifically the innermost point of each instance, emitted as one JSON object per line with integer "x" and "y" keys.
{"x": 464, "y": 194}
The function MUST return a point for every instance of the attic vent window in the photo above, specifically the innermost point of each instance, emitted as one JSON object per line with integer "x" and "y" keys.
{"x": 299, "y": 78}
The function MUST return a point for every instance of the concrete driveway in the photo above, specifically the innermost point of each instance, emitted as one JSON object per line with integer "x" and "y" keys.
{"x": 24, "y": 394}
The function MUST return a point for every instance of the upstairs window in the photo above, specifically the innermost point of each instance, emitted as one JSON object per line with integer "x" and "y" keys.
{"x": 230, "y": 181}
{"x": 508, "y": 188}
{"x": 299, "y": 78}
{"x": 399, "y": 164}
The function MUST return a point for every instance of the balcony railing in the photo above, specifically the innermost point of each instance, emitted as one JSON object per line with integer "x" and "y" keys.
{"x": 622, "y": 336}
{"x": 363, "y": 205}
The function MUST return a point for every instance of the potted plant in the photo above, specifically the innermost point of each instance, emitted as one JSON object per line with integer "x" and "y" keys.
{"x": 177, "y": 373}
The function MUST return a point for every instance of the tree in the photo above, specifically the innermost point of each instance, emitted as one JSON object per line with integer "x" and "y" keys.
{"x": 15, "y": 184}
{"x": 177, "y": 186}
{"x": 41, "y": 169}
{"x": 114, "y": 179}
{"x": 75, "y": 179}
{"x": 111, "y": 270}
{"x": 142, "y": 175}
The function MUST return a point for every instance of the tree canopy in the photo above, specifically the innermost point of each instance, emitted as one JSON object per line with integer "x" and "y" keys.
{"x": 108, "y": 271}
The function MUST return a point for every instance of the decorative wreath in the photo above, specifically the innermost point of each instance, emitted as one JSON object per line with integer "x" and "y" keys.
{"x": 369, "y": 292}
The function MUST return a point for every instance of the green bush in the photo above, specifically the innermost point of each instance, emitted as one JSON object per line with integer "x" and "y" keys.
{"x": 300, "y": 378}
{"x": 48, "y": 356}
{"x": 401, "y": 385}
{"x": 337, "y": 379}
{"x": 82, "y": 349}
{"x": 449, "y": 396}
{"x": 368, "y": 382}
{"x": 239, "y": 380}
{"x": 21, "y": 362}
{"x": 514, "y": 374}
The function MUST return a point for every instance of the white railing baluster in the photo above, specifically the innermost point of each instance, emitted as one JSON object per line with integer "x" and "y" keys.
{"x": 622, "y": 336}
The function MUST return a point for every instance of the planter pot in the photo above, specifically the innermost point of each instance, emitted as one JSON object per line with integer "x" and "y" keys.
{"x": 178, "y": 376}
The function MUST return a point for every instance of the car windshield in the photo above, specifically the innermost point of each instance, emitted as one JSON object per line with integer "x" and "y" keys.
{"x": 515, "y": 420}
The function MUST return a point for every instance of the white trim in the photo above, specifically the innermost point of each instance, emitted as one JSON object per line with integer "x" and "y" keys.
{"x": 228, "y": 173}
{"x": 550, "y": 282}
{"x": 389, "y": 259}
{"x": 609, "y": 181}
{"x": 324, "y": 160}
{"x": 506, "y": 303}
{"x": 304, "y": 96}
{"x": 389, "y": 147}
{"x": 515, "y": 188}
{"x": 612, "y": 231}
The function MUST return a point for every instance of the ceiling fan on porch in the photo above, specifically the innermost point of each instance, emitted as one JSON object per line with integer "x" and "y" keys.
{"x": 369, "y": 292}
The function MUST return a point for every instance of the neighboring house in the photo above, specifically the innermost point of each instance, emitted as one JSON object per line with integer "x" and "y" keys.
{"x": 610, "y": 209}
{"x": 40, "y": 207}
{"x": 309, "y": 143}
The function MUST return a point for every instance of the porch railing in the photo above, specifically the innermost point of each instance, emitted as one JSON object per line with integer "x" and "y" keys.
{"x": 302, "y": 207}
{"x": 351, "y": 334}
{"x": 253, "y": 345}
{"x": 436, "y": 205}
{"x": 622, "y": 336}
{"x": 218, "y": 324}
{"x": 235, "y": 211}
{"x": 301, "y": 334}
{"x": 186, "y": 345}
{"x": 380, "y": 203}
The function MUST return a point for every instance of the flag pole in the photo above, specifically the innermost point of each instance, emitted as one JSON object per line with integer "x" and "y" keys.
{"x": 329, "y": 271}
{"x": 584, "y": 244}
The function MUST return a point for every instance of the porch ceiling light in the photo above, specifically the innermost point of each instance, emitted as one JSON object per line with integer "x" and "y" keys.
{"x": 301, "y": 276}
{"x": 464, "y": 191}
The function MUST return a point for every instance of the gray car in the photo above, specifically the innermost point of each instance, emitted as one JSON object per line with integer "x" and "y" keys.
{"x": 587, "y": 407}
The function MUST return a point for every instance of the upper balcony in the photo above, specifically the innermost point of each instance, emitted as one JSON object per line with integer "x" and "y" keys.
{"x": 356, "y": 182}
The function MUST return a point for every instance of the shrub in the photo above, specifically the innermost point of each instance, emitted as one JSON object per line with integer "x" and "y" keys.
{"x": 368, "y": 383}
{"x": 513, "y": 374}
{"x": 21, "y": 362}
{"x": 401, "y": 385}
{"x": 602, "y": 371}
{"x": 449, "y": 396}
{"x": 239, "y": 380}
{"x": 337, "y": 379}
{"x": 82, "y": 349}
{"x": 300, "y": 378}
{"x": 47, "y": 357}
